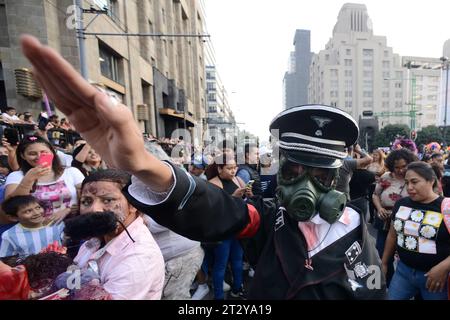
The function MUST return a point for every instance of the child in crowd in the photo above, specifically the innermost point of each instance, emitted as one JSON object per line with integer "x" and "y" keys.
{"x": 30, "y": 235}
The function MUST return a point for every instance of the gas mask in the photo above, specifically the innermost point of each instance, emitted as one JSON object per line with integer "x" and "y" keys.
{"x": 304, "y": 191}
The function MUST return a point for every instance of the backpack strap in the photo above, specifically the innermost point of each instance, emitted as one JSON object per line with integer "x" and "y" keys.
{"x": 445, "y": 209}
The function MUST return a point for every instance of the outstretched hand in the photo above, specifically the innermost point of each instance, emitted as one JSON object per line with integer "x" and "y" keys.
{"x": 107, "y": 125}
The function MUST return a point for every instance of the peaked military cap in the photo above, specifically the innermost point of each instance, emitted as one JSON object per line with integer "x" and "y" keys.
{"x": 315, "y": 135}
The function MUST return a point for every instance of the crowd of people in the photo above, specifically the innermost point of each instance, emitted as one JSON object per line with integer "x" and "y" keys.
{"x": 115, "y": 215}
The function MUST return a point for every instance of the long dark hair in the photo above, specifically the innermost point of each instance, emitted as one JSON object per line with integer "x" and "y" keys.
{"x": 28, "y": 141}
{"x": 221, "y": 161}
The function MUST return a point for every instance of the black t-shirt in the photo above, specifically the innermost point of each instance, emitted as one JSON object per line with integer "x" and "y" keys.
{"x": 360, "y": 183}
{"x": 423, "y": 240}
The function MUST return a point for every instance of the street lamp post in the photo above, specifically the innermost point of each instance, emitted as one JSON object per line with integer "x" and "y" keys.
{"x": 445, "y": 67}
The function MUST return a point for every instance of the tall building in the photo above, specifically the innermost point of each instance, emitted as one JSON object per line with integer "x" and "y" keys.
{"x": 357, "y": 71}
{"x": 161, "y": 78}
{"x": 219, "y": 114}
{"x": 296, "y": 79}
{"x": 219, "y": 120}
{"x": 423, "y": 76}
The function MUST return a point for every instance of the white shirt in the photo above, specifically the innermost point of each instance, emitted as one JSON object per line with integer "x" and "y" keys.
{"x": 11, "y": 118}
{"x": 327, "y": 234}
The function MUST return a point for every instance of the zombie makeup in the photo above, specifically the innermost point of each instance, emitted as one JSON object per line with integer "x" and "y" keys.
{"x": 104, "y": 196}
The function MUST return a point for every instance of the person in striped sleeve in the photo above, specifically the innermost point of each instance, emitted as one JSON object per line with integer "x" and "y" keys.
{"x": 30, "y": 235}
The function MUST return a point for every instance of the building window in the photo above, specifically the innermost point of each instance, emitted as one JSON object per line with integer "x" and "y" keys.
{"x": 348, "y": 94}
{"x": 334, "y": 83}
{"x": 385, "y": 104}
{"x": 348, "y": 73}
{"x": 398, "y": 104}
{"x": 334, "y": 94}
{"x": 432, "y": 88}
{"x": 385, "y": 94}
{"x": 368, "y": 104}
{"x": 367, "y": 94}
{"x": 368, "y": 52}
{"x": 210, "y": 75}
{"x": 110, "y": 63}
{"x": 367, "y": 63}
{"x": 212, "y": 109}
{"x": 399, "y": 95}
{"x": 367, "y": 84}
{"x": 398, "y": 74}
{"x": 386, "y": 53}
{"x": 348, "y": 104}
{"x": 398, "y": 85}
{"x": 348, "y": 52}
{"x": 333, "y": 73}
{"x": 432, "y": 97}
{"x": 111, "y": 5}
{"x": 386, "y": 64}
{"x": 386, "y": 75}
{"x": 327, "y": 57}
{"x": 367, "y": 74}
{"x": 385, "y": 84}
{"x": 348, "y": 62}
{"x": 211, "y": 86}
{"x": 212, "y": 97}
{"x": 348, "y": 83}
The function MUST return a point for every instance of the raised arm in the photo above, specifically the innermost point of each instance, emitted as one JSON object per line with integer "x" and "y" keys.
{"x": 107, "y": 125}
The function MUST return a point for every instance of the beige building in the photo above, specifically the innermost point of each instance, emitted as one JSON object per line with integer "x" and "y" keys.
{"x": 160, "y": 77}
{"x": 424, "y": 76}
{"x": 358, "y": 72}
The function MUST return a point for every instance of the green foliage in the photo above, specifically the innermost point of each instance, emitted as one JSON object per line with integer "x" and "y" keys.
{"x": 429, "y": 134}
{"x": 387, "y": 135}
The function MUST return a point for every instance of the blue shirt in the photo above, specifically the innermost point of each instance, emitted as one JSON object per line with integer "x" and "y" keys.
{"x": 23, "y": 241}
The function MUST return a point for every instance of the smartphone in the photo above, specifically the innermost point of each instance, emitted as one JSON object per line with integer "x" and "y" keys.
{"x": 43, "y": 121}
{"x": 46, "y": 159}
{"x": 12, "y": 135}
{"x": 250, "y": 183}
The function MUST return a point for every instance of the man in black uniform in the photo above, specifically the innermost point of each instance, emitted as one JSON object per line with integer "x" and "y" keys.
{"x": 311, "y": 245}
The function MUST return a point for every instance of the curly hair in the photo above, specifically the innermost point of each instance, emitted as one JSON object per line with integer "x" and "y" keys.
{"x": 399, "y": 154}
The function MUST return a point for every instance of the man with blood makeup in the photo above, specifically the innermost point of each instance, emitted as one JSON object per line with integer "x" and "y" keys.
{"x": 119, "y": 249}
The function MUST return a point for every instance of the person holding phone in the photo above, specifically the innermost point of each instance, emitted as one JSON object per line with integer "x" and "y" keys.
{"x": 42, "y": 175}
{"x": 225, "y": 178}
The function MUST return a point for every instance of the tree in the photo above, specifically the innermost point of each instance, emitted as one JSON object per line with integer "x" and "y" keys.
{"x": 386, "y": 136}
{"x": 429, "y": 134}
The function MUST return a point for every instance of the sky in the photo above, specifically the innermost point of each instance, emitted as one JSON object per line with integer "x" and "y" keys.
{"x": 252, "y": 40}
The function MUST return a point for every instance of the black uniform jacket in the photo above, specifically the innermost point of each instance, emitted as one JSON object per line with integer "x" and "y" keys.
{"x": 349, "y": 268}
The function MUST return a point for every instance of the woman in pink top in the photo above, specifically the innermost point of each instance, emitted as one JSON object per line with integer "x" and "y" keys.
{"x": 42, "y": 175}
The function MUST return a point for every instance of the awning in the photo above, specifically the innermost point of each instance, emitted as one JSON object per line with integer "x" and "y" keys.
{"x": 168, "y": 112}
